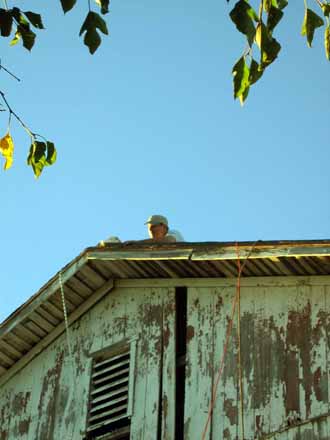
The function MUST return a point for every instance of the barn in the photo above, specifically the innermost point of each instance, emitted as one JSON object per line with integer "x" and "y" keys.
{"x": 151, "y": 341}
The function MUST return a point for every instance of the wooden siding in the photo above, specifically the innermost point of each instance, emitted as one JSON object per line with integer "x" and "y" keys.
{"x": 285, "y": 325}
{"x": 285, "y": 360}
{"x": 45, "y": 401}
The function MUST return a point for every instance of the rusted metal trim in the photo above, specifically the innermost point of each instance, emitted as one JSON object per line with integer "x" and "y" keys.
{"x": 297, "y": 425}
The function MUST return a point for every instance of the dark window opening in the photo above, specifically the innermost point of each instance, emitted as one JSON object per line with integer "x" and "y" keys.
{"x": 181, "y": 350}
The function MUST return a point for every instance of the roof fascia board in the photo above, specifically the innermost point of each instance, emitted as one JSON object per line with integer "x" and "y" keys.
{"x": 230, "y": 253}
{"x": 42, "y": 296}
{"x": 76, "y": 314}
{"x": 219, "y": 253}
{"x": 140, "y": 254}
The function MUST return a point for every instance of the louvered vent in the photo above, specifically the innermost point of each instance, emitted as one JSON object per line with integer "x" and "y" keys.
{"x": 111, "y": 392}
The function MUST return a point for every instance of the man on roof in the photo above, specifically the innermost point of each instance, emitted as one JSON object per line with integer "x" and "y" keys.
{"x": 158, "y": 229}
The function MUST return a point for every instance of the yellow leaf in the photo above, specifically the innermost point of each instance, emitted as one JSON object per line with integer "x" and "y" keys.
{"x": 7, "y": 150}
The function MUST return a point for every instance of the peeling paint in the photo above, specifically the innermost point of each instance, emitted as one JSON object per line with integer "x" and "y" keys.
{"x": 190, "y": 333}
{"x": 285, "y": 365}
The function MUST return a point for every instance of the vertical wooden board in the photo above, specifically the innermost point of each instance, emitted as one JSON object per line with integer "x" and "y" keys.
{"x": 112, "y": 318}
{"x": 262, "y": 371}
{"x": 317, "y": 430}
{"x": 326, "y": 424}
{"x": 146, "y": 322}
{"x": 225, "y": 414}
{"x": 134, "y": 329}
{"x": 5, "y": 410}
{"x": 169, "y": 365}
{"x": 306, "y": 432}
{"x": 154, "y": 318}
{"x": 248, "y": 350}
{"x": 33, "y": 375}
{"x": 73, "y": 387}
{"x": 199, "y": 368}
{"x": 323, "y": 429}
{"x": 290, "y": 434}
{"x": 259, "y": 371}
{"x": 283, "y": 371}
{"x": 300, "y": 338}
{"x": 16, "y": 413}
{"x": 318, "y": 374}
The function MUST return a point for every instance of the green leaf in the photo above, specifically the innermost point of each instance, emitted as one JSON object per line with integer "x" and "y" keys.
{"x": 92, "y": 40}
{"x": 267, "y": 5}
{"x": 327, "y": 42}
{"x": 326, "y": 9}
{"x": 67, "y": 5}
{"x": 270, "y": 52}
{"x": 100, "y": 23}
{"x": 255, "y": 72}
{"x": 29, "y": 158}
{"x": 38, "y": 167}
{"x": 311, "y": 22}
{"x": 241, "y": 79}
{"x": 37, "y": 158}
{"x": 242, "y": 15}
{"x": 16, "y": 39}
{"x": 269, "y": 46}
{"x": 28, "y": 37}
{"x": 281, "y": 4}
{"x": 104, "y": 6}
{"x": 34, "y": 19}
{"x": 23, "y": 30}
{"x": 51, "y": 154}
{"x": 274, "y": 17}
{"x": 93, "y": 22}
{"x": 6, "y": 22}
{"x": 40, "y": 150}
{"x": 16, "y": 13}
{"x": 244, "y": 95}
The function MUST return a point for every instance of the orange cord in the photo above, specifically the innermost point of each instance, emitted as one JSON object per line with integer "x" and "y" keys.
{"x": 229, "y": 330}
{"x": 230, "y": 327}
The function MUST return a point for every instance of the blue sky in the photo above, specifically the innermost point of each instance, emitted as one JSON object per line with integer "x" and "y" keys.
{"x": 149, "y": 125}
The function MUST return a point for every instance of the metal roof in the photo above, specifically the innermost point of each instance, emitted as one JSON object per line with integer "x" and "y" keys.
{"x": 91, "y": 275}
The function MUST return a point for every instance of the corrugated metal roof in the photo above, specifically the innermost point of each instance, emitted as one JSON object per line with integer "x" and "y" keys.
{"x": 88, "y": 277}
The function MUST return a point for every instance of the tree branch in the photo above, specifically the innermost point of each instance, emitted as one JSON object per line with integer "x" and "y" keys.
{"x": 11, "y": 112}
{"x": 8, "y": 71}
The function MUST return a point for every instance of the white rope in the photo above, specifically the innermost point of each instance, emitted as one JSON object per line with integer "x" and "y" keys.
{"x": 68, "y": 338}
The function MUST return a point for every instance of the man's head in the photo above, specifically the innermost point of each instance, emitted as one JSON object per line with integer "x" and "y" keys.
{"x": 157, "y": 227}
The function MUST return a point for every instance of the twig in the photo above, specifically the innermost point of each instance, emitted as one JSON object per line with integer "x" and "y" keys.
{"x": 11, "y": 112}
{"x": 8, "y": 71}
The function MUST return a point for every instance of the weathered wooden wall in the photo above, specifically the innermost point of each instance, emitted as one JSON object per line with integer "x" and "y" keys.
{"x": 45, "y": 402}
{"x": 285, "y": 356}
